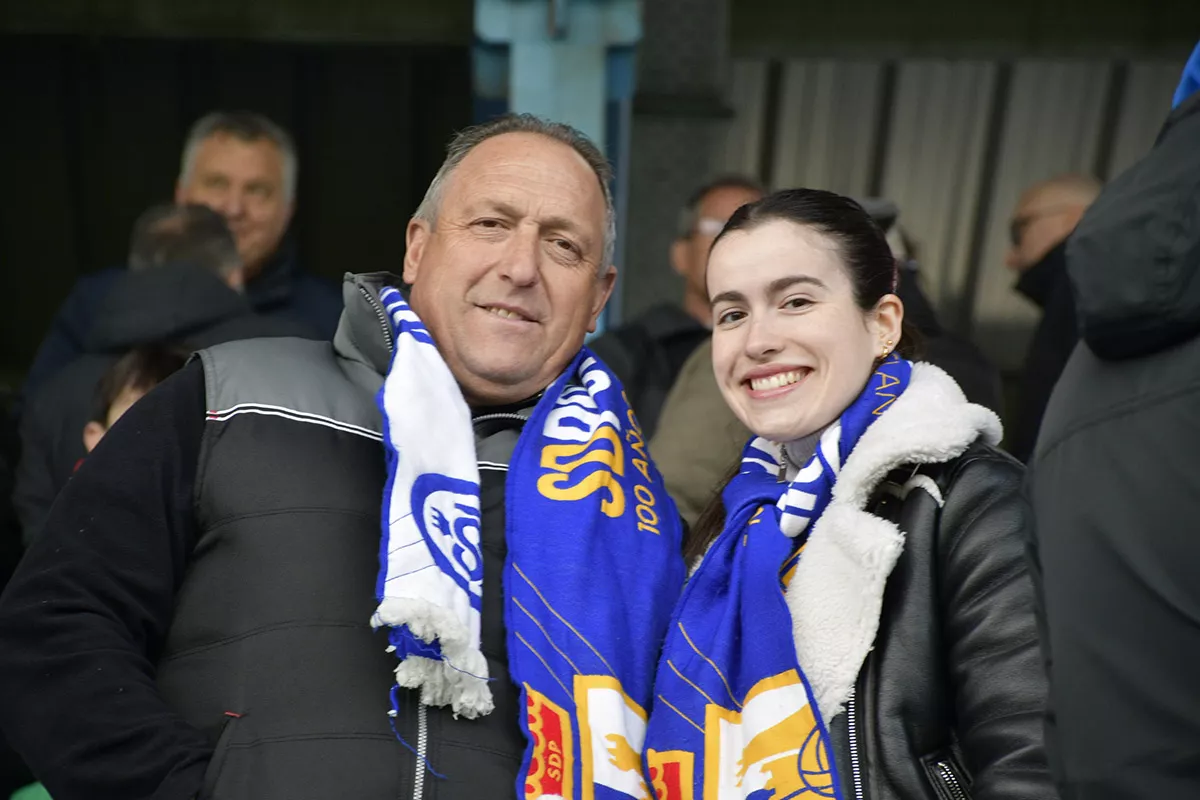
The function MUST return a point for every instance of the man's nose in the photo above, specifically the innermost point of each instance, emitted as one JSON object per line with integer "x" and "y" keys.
{"x": 1012, "y": 258}
{"x": 521, "y": 262}
{"x": 230, "y": 205}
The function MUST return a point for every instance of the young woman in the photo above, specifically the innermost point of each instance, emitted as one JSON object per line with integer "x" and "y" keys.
{"x": 859, "y": 623}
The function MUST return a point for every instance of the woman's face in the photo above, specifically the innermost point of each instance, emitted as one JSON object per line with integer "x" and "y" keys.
{"x": 791, "y": 347}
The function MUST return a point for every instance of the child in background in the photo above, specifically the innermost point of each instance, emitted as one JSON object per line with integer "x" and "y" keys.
{"x": 126, "y": 382}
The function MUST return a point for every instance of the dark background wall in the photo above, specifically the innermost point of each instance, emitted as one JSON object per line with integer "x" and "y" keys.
{"x": 94, "y": 128}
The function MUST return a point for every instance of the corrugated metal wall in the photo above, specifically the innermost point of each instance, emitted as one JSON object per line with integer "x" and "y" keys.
{"x": 953, "y": 143}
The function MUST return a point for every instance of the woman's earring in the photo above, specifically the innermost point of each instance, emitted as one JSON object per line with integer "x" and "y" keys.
{"x": 887, "y": 348}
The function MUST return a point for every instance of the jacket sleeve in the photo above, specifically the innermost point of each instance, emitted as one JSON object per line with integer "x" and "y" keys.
{"x": 88, "y": 608}
{"x": 35, "y": 488}
{"x": 990, "y": 630}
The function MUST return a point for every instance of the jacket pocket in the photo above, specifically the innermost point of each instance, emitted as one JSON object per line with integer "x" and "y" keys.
{"x": 217, "y": 762}
{"x": 947, "y": 776}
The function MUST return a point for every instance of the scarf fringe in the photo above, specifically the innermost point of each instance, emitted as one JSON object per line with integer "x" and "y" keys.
{"x": 460, "y": 679}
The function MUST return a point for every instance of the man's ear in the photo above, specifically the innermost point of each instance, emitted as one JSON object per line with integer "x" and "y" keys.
{"x": 415, "y": 238}
{"x": 93, "y": 432}
{"x": 604, "y": 290}
{"x": 679, "y": 257}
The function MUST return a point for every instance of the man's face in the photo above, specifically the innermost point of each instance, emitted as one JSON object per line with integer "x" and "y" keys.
{"x": 509, "y": 279}
{"x": 243, "y": 181}
{"x": 689, "y": 256}
{"x": 1040, "y": 222}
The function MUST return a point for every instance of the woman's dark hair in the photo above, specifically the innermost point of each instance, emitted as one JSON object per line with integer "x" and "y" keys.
{"x": 862, "y": 245}
{"x": 870, "y": 265}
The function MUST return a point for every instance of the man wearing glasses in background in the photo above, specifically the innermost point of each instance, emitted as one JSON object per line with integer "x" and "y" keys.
{"x": 648, "y": 352}
{"x": 1045, "y": 216}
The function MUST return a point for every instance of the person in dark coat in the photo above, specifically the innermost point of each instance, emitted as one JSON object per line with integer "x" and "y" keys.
{"x": 648, "y": 352}
{"x": 902, "y": 658}
{"x": 1115, "y": 488}
{"x": 1043, "y": 219}
{"x": 243, "y": 166}
{"x": 182, "y": 286}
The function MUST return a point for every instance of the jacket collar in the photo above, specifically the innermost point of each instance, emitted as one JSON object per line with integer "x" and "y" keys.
{"x": 836, "y": 593}
{"x": 364, "y": 334}
{"x": 274, "y": 284}
{"x": 1038, "y": 282}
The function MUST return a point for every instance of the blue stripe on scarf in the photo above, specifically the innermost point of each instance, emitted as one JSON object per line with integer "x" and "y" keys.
{"x": 734, "y": 714}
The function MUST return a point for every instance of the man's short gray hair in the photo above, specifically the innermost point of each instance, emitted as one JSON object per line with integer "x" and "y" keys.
{"x": 467, "y": 140}
{"x": 249, "y": 127}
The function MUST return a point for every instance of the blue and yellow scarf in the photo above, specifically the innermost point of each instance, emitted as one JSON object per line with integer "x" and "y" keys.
{"x": 592, "y": 574}
{"x": 734, "y": 715}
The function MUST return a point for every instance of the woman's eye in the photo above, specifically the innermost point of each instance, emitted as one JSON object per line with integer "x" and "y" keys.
{"x": 797, "y": 302}
{"x": 730, "y": 317}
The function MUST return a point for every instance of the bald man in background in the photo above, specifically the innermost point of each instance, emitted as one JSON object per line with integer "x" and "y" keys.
{"x": 1044, "y": 218}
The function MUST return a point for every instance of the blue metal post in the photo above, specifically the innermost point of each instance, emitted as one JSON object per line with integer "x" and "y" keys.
{"x": 566, "y": 60}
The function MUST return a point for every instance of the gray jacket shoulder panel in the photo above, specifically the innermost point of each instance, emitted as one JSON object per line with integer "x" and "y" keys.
{"x": 294, "y": 378}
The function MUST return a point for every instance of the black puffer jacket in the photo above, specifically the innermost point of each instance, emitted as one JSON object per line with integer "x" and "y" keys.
{"x": 948, "y": 704}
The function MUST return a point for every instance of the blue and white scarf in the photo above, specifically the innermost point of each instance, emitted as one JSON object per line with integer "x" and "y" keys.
{"x": 592, "y": 574}
{"x": 734, "y": 715}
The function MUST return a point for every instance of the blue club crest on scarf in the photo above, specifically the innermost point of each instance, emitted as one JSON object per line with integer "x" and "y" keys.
{"x": 734, "y": 715}
{"x": 592, "y": 573}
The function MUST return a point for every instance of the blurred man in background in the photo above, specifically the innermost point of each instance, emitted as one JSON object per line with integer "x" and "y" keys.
{"x": 1043, "y": 219}
{"x": 184, "y": 284}
{"x": 244, "y": 167}
{"x": 648, "y": 352}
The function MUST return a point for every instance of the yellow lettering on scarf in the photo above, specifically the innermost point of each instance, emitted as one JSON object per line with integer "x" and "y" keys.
{"x": 647, "y": 516}
{"x": 565, "y": 459}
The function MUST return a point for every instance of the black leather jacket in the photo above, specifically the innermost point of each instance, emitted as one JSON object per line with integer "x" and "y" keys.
{"x": 949, "y": 704}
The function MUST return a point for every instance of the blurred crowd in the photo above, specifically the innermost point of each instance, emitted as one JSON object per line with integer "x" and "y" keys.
{"x": 1060, "y": 636}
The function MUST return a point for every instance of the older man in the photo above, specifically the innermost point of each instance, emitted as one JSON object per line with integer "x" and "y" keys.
{"x": 245, "y": 167}
{"x": 1043, "y": 219}
{"x": 194, "y": 619}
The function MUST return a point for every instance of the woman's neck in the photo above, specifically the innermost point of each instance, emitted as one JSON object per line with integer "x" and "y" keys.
{"x": 797, "y": 452}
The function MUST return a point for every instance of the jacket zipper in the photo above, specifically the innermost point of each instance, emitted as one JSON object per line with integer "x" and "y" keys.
{"x": 855, "y": 771}
{"x": 501, "y": 415}
{"x": 382, "y": 317}
{"x": 950, "y": 780}
{"x": 422, "y": 745}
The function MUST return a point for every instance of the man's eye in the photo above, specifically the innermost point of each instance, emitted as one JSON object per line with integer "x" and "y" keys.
{"x": 489, "y": 224}
{"x": 566, "y": 246}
